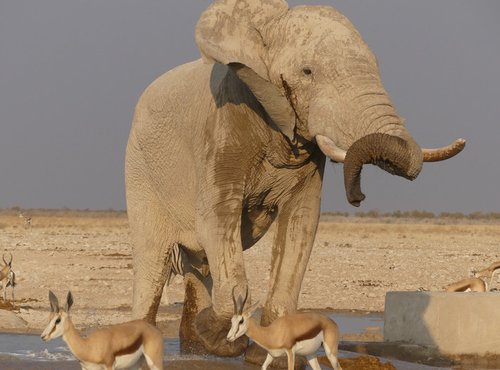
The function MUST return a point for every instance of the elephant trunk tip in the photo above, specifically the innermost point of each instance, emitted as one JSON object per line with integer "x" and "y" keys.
{"x": 356, "y": 199}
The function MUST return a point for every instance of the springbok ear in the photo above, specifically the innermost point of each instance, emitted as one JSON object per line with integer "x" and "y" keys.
{"x": 54, "y": 303}
{"x": 69, "y": 302}
{"x": 251, "y": 310}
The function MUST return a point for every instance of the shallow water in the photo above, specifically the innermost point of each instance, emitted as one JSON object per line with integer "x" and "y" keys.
{"x": 356, "y": 323}
{"x": 29, "y": 352}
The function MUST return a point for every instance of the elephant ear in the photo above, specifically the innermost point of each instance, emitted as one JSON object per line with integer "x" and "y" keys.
{"x": 275, "y": 104}
{"x": 231, "y": 32}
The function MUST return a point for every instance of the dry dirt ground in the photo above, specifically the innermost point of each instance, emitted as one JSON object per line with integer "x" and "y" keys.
{"x": 355, "y": 261}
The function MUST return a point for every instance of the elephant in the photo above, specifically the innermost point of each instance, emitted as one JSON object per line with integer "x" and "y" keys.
{"x": 225, "y": 146}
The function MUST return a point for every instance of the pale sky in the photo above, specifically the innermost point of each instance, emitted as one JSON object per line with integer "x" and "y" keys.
{"x": 72, "y": 71}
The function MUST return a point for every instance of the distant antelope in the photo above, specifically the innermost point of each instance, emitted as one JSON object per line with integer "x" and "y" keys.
{"x": 120, "y": 346}
{"x": 290, "y": 335}
{"x": 27, "y": 220}
{"x": 7, "y": 277}
{"x": 488, "y": 272}
{"x": 473, "y": 284}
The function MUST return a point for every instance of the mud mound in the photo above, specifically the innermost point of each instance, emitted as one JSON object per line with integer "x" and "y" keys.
{"x": 362, "y": 362}
{"x": 16, "y": 305}
{"x": 9, "y": 306}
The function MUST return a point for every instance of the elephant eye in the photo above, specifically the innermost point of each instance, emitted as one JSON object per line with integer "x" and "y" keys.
{"x": 307, "y": 71}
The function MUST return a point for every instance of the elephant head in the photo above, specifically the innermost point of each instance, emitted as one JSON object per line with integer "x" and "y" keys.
{"x": 318, "y": 81}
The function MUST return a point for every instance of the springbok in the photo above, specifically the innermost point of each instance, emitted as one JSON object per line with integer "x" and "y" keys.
{"x": 120, "y": 346}
{"x": 27, "y": 220}
{"x": 7, "y": 277}
{"x": 473, "y": 284}
{"x": 290, "y": 335}
{"x": 488, "y": 272}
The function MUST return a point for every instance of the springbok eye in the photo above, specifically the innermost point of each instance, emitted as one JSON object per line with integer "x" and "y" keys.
{"x": 58, "y": 320}
{"x": 307, "y": 71}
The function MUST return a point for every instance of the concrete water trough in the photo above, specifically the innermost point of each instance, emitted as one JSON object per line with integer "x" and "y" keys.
{"x": 454, "y": 324}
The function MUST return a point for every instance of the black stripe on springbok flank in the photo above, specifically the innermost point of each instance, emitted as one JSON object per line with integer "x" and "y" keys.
{"x": 133, "y": 347}
{"x": 311, "y": 333}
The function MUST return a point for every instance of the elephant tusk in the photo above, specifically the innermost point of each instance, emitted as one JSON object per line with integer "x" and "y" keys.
{"x": 329, "y": 148}
{"x": 446, "y": 152}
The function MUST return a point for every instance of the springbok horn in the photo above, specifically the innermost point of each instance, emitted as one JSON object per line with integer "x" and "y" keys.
{"x": 4, "y": 261}
{"x": 244, "y": 300}
{"x": 440, "y": 154}
{"x": 234, "y": 302}
{"x": 239, "y": 303}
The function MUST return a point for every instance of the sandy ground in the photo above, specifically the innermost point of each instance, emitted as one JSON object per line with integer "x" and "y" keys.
{"x": 355, "y": 261}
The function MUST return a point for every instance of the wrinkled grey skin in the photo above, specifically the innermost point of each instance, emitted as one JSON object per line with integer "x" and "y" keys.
{"x": 223, "y": 147}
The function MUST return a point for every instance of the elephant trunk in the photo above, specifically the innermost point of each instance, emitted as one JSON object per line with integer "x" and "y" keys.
{"x": 398, "y": 156}
{"x": 373, "y": 134}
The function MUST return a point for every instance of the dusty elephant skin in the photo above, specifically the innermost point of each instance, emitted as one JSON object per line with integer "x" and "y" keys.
{"x": 221, "y": 148}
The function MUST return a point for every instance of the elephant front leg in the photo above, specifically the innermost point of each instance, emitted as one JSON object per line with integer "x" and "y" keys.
{"x": 220, "y": 236}
{"x": 292, "y": 245}
{"x": 293, "y": 241}
{"x": 290, "y": 255}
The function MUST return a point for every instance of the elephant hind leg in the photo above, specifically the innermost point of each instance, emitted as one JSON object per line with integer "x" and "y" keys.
{"x": 150, "y": 274}
{"x": 153, "y": 232}
{"x": 153, "y": 239}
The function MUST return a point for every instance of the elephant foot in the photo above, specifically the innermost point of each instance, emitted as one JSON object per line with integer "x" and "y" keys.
{"x": 256, "y": 355}
{"x": 190, "y": 343}
{"x": 212, "y": 331}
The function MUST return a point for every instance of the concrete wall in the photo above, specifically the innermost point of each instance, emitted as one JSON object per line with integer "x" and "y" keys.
{"x": 454, "y": 323}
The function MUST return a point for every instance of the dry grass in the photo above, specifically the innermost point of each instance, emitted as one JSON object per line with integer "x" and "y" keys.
{"x": 354, "y": 262}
